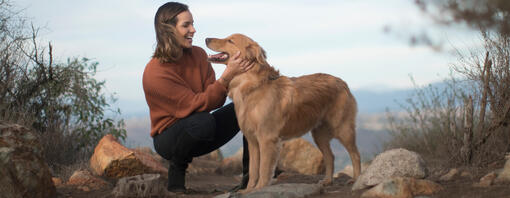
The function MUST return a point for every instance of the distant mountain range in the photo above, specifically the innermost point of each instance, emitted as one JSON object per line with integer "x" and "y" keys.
{"x": 368, "y": 102}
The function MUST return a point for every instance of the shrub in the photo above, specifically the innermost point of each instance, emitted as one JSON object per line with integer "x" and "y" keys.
{"x": 466, "y": 121}
{"x": 59, "y": 99}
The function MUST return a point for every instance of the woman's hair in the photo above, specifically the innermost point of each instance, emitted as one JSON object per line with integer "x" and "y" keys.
{"x": 168, "y": 48}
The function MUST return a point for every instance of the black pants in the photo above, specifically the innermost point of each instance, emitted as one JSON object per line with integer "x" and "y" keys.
{"x": 198, "y": 134}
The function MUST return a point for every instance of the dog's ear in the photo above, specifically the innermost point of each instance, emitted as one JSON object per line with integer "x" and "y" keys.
{"x": 256, "y": 53}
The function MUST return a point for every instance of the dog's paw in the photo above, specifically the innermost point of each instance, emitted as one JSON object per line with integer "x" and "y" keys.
{"x": 350, "y": 181}
{"x": 245, "y": 191}
{"x": 325, "y": 182}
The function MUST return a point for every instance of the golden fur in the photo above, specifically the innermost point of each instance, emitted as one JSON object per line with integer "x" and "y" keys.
{"x": 271, "y": 108}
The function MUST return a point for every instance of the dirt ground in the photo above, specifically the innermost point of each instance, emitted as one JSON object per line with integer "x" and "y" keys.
{"x": 212, "y": 185}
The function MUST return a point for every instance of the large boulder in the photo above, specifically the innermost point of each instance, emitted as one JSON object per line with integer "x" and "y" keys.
{"x": 232, "y": 165}
{"x": 299, "y": 155}
{"x": 112, "y": 159}
{"x": 296, "y": 155}
{"x": 24, "y": 173}
{"x": 389, "y": 164}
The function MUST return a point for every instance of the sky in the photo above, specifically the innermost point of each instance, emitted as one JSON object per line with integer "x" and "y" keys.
{"x": 345, "y": 38}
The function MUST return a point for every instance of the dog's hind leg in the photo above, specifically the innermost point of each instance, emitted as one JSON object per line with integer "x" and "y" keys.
{"x": 322, "y": 137}
{"x": 347, "y": 137}
{"x": 269, "y": 151}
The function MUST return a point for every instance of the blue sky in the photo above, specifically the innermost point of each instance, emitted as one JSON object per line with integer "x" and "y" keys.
{"x": 344, "y": 38}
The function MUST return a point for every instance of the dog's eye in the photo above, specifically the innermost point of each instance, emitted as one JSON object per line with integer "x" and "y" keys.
{"x": 230, "y": 41}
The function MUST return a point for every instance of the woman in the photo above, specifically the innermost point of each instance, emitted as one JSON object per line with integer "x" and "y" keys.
{"x": 181, "y": 89}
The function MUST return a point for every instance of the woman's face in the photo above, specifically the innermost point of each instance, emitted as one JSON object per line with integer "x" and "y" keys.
{"x": 185, "y": 29}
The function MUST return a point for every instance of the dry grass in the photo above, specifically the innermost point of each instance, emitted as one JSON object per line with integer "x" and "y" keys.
{"x": 465, "y": 122}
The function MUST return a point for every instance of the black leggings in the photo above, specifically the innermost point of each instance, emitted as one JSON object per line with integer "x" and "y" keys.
{"x": 198, "y": 134}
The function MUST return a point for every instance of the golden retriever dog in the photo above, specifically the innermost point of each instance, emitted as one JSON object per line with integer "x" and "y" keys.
{"x": 271, "y": 108}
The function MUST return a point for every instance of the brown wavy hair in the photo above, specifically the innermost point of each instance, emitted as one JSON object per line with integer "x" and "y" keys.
{"x": 168, "y": 49}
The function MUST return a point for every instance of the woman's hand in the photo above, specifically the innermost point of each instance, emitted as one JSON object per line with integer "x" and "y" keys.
{"x": 235, "y": 66}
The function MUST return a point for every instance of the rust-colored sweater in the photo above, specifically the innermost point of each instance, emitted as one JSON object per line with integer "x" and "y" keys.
{"x": 175, "y": 90}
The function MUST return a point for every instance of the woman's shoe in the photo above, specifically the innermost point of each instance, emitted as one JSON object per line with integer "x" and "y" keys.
{"x": 176, "y": 175}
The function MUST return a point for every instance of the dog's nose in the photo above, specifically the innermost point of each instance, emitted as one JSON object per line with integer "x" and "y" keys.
{"x": 207, "y": 40}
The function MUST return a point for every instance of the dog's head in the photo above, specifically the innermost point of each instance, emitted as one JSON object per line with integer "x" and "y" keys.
{"x": 229, "y": 46}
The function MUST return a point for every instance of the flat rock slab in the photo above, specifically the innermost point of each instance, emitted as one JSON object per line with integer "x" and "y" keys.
{"x": 279, "y": 191}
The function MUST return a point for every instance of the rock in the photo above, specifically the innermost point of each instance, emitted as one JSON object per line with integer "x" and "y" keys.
{"x": 56, "y": 181}
{"x": 486, "y": 180}
{"x": 402, "y": 187}
{"x": 113, "y": 160}
{"x": 232, "y": 165}
{"x": 24, "y": 173}
{"x": 449, "y": 176}
{"x": 201, "y": 166}
{"x": 466, "y": 174}
{"x": 84, "y": 188}
{"x": 504, "y": 175}
{"x": 389, "y": 164}
{"x": 83, "y": 178}
{"x": 279, "y": 191}
{"x": 213, "y": 156}
{"x": 348, "y": 170}
{"x": 299, "y": 155}
{"x": 146, "y": 185}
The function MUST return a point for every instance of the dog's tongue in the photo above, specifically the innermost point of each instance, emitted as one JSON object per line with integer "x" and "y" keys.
{"x": 218, "y": 57}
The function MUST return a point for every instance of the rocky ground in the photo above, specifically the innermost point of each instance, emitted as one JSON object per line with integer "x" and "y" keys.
{"x": 396, "y": 171}
{"x": 212, "y": 185}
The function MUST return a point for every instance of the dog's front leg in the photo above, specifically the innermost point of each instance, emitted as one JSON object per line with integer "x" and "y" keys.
{"x": 269, "y": 151}
{"x": 253, "y": 149}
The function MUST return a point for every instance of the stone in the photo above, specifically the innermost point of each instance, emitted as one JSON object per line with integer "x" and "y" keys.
{"x": 504, "y": 174}
{"x": 57, "y": 181}
{"x": 449, "y": 176}
{"x": 232, "y": 165}
{"x": 84, "y": 188}
{"x": 486, "y": 180}
{"x": 112, "y": 159}
{"x": 201, "y": 166}
{"x": 146, "y": 185}
{"x": 213, "y": 156}
{"x": 466, "y": 174}
{"x": 296, "y": 155}
{"x": 348, "y": 170}
{"x": 83, "y": 178}
{"x": 402, "y": 187}
{"x": 389, "y": 164}
{"x": 299, "y": 155}
{"x": 279, "y": 191}
{"x": 23, "y": 170}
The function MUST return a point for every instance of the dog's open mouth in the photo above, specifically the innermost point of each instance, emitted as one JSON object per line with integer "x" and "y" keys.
{"x": 218, "y": 58}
